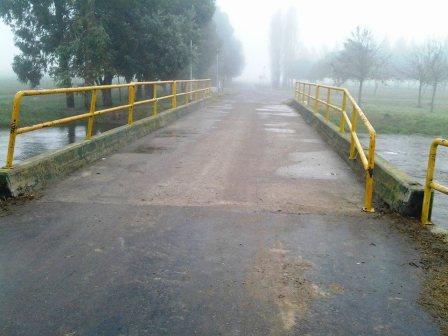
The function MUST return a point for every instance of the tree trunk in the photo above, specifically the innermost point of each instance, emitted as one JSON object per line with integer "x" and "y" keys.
{"x": 71, "y": 133}
{"x": 361, "y": 83}
{"x": 107, "y": 94}
{"x": 138, "y": 93}
{"x": 376, "y": 88}
{"x": 433, "y": 97}
{"x": 119, "y": 90}
{"x": 419, "y": 101}
{"x": 70, "y": 100}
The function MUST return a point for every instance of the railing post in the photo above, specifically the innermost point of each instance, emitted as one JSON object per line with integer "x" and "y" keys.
{"x": 196, "y": 93}
{"x": 303, "y": 94}
{"x": 316, "y": 100}
{"x": 328, "y": 104}
{"x": 352, "y": 131}
{"x": 309, "y": 95}
{"x": 428, "y": 195}
{"x": 174, "y": 93}
{"x": 296, "y": 90}
{"x": 343, "y": 108}
{"x": 132, "y": 88}
{"x": 90, "y": 121}
{"x": 15, "y": 118}
{"x": 154, "y": 97}
{"x": 368, "y": 198}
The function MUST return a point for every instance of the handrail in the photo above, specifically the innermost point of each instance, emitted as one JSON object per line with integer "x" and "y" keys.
{"x": 430, "y": 185}
{"x": 193, "y": 91}
{"x": 303, "y": 95}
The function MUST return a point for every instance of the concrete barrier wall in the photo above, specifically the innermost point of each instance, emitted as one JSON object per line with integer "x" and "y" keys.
{"x": 398, "y": 190}
{"x": 34, "y": 173}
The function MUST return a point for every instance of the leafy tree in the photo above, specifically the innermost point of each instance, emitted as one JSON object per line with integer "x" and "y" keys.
{"x": 218, "y": 38}
{"x": 42, "y": 34}
{"x": 97, "y": 40}
{"x": 230, "y": 48}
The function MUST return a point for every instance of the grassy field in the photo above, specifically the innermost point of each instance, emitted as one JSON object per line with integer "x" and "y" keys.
{"x": 393, "y": 110}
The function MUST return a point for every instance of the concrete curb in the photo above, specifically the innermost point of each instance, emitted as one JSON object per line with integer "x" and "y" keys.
{"x": 33, "y": 174}
{"x": 398, "y": 190}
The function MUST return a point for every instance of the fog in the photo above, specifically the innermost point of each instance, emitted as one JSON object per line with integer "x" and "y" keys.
{"x": 322, "y": 25}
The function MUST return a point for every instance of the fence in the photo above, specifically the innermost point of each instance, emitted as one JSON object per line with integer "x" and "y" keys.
{"x": 430, "y": 185}
{"x": 190, "y": 90}
{"x": 304, "y": 95}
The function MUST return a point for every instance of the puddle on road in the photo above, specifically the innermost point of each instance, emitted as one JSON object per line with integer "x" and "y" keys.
{"x": 313, "y": 165}
{"x": 313, "y": 141}
{"x": 147, "y": 149}
{"x": 221, "y": 107}
{"x": 179, "y": 133}
{"x": 277, "y": 114}
{"x": 279, "y": 124}
{"x": 280, "y": 130}
{"x": 276, "y": 110}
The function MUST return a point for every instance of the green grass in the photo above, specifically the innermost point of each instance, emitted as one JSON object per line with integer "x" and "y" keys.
{"x": 393, "y": 110}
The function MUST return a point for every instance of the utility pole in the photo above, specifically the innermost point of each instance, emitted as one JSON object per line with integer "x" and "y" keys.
{"x": 217, "y": 72}
{"x": 191, "y": 59}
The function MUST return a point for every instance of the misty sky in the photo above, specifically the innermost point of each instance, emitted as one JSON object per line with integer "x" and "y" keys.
{"x": 321, "y": 23}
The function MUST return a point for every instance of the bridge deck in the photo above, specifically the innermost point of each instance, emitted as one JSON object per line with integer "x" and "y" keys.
{"x": 235, "y": 220}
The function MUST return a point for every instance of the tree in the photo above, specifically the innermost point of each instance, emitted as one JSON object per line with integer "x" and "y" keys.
{"x": 230, "y": 49}
{"x": 289, "y": 46}
{"x": 360, "y": 59}
{"x": 436, "y": 60}
{"x": 276, "y": 35}
{"x": 416, "y": 69}
{"x": 97, "y": 40}
{"x": 42, "y": 34}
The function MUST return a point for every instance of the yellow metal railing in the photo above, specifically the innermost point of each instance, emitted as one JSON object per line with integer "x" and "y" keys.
{"x": 191, "y": 90}
{"x": 339, "y": 99}
{"x": 430, "y": 185}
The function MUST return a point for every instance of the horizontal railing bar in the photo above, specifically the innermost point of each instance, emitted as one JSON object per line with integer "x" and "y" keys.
{"x": 439, "y": 187}
{"x": 112, "y": 109}
{"x": 336, "y": 88}
{"x": 98, "y": 87}
{"x": 360, "y": 150}
{"x": 52, "y": 123}
{"x": 143, "y": 102}
{"x": 360, "y": 113}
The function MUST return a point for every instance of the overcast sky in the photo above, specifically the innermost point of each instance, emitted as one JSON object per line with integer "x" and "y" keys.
{"x": 321, "y": 23}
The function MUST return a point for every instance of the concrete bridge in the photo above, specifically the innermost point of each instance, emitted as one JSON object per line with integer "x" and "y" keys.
{"x": 236, "y": 219}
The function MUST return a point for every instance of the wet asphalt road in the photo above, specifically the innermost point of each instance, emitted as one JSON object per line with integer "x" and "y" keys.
{"x": 235, "y": 220}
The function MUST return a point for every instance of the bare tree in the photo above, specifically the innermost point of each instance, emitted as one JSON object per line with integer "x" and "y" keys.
{"x": 289, "y": 46}
{"x": 416, "y": 68}
{"x": 436, "y": 61}
{"x": 360, "y": 59}
{"x": 276, "y": 31}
